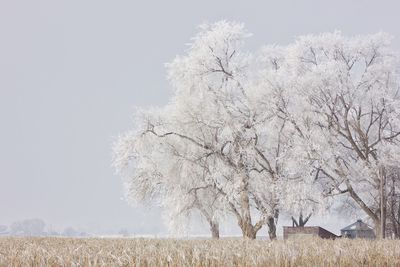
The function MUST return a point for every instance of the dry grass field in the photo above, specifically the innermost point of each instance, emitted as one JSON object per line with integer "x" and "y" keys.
{"x": 169, "y": 252}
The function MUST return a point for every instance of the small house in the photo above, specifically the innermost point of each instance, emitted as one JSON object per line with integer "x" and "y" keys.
{"x": 359, "y": 229}
{"x": 305, "y": 231}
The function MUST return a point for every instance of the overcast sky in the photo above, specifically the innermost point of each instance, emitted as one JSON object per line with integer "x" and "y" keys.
{"x": 71, "y": 73}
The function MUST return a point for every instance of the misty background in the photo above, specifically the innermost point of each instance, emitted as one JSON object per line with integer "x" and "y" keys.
{"x": 71, "y": 73}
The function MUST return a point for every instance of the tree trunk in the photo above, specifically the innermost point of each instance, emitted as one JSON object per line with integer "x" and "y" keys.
{"x": 214, "y": 227}
{"x": 375, "y": 217}
{"x": 395, "y": 227}
{"x": 397, "y": 223}
{"x": 379, "y": 231}
{"x": 245, "y": 223}
{"x": 271, "y": 228}
{"x": 248, "y": 230}
{"x": 377, "y": 228}
{"x": 382, "y": 178}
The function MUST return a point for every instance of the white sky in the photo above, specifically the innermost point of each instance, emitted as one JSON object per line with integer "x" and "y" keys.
{"x": 72, "y": 71}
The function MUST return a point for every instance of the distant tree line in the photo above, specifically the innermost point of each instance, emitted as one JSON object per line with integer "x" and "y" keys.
{"x": 36, "y": 227}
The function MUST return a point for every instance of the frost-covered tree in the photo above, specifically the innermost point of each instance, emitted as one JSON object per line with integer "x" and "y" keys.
{"x": 347, "y": 113}
{"x": 281, "y": 132}
{"x": 221, "y": 145}
{"x": 208, "y": 144}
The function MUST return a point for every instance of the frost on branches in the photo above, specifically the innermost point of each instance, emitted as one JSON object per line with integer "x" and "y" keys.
{"x": 347, "y": 114}
{"x": 281, "y": 131}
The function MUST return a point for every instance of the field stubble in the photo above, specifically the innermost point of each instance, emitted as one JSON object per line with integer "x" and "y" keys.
{"x": 172, "y": 252}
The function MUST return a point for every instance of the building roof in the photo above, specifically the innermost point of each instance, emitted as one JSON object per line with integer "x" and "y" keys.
{"x": 359, "y": 225}
{"x": 307, "y": 230}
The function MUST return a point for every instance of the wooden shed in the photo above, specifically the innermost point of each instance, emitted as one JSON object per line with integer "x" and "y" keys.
{"x": 298, "y": 232}
{"x": 359, "y": 229}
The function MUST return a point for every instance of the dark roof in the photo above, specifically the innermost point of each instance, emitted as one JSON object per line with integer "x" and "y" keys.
{"x": 359, "y": 225}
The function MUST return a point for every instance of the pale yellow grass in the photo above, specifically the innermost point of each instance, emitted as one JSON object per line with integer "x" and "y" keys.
{"x": 168, "y": 252}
